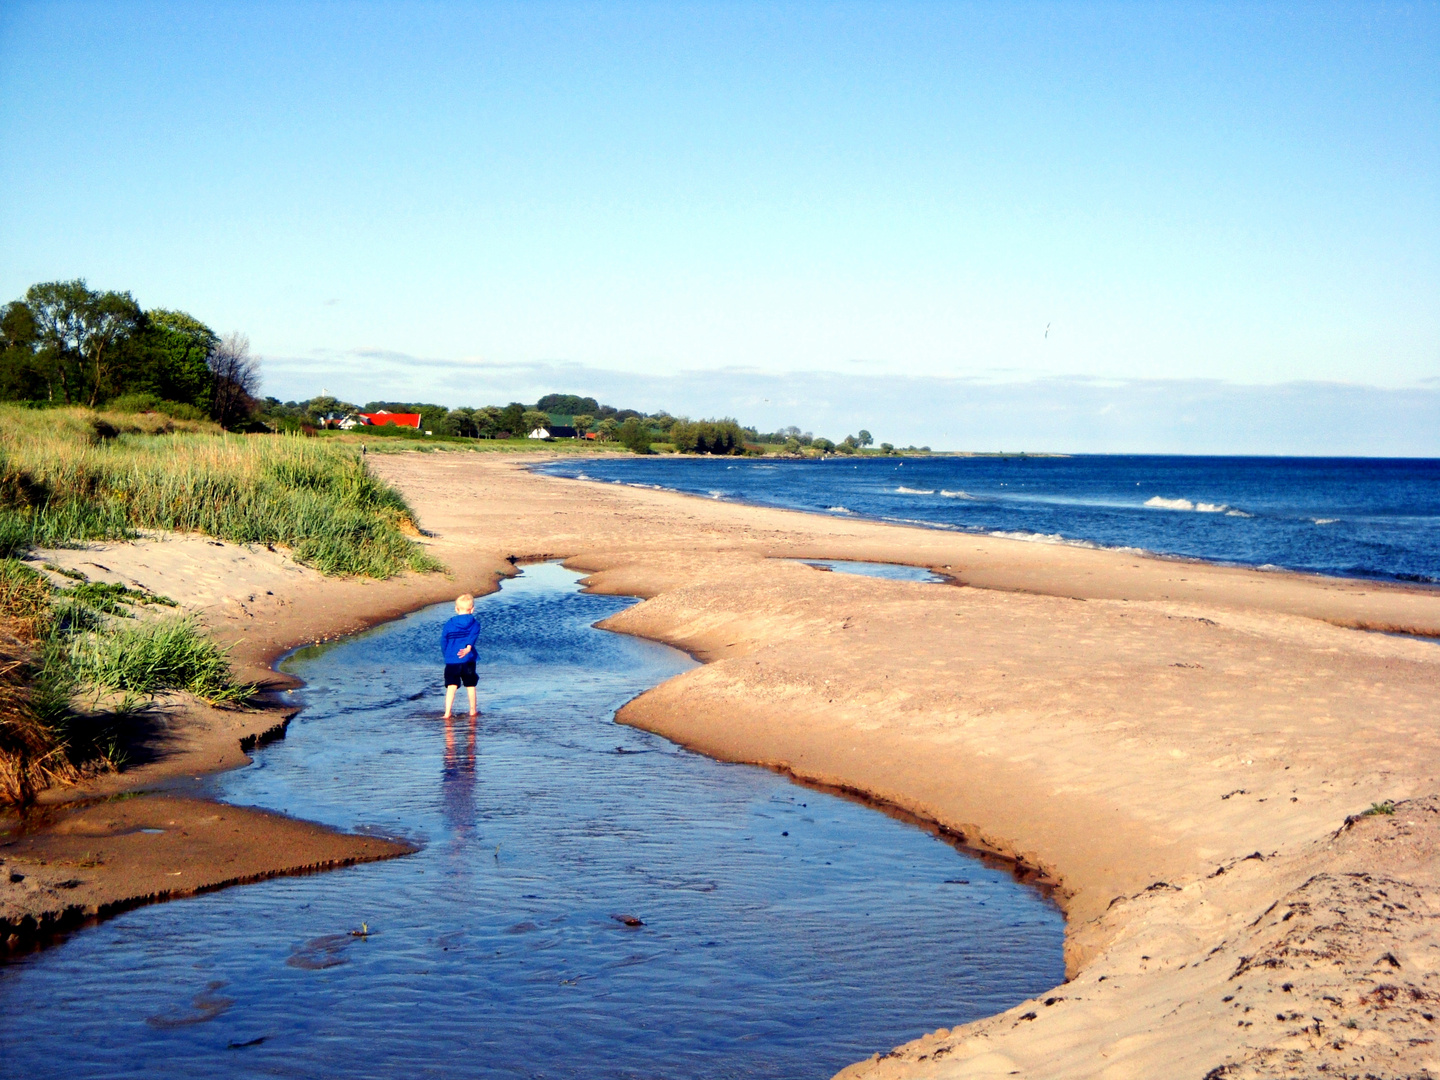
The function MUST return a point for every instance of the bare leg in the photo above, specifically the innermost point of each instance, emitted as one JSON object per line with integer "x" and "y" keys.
{"x": 471, "y": 691}
{"x": 449, "y": 699}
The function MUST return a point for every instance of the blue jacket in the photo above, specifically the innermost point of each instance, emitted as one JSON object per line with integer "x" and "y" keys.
{"x": 460, "y": 631}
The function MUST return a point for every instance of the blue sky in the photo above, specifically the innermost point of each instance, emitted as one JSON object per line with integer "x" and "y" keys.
{"x": 836, "y": 215}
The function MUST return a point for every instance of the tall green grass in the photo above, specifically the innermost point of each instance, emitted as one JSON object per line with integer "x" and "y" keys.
{"x": 151, "y": 657}
{"x": 58, "y": 645}
{"x": 69, "y": 475}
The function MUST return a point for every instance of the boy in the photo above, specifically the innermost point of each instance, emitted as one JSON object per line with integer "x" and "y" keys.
{"x": 457, "y": 641}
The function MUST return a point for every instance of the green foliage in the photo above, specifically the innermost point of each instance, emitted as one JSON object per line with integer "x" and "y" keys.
{"x": 635, "y": 435}
{"x": 144, "y": 402}
{"x": 59, "y": 641}
{"x": 169, "y": 359}
{"x": 825, "y": 446}
{"x": 1385, "y": 808}
{"x": 79, "y": 336}
{"x": 170, "y": 654}
{"x": 24, "y": 592}
{"x": 708, "y": 436}
{"x": 533, "y": 420}
{"x": 567, "y": 404}
{"x": 512, "y": 421}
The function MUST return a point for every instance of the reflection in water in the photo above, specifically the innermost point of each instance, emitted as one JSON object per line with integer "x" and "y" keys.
{"x": 457, "y": 785}
{"x": 590, "y": 901}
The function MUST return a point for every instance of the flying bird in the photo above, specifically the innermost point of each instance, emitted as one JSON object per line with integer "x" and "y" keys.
{"x": 1047, "y": 331}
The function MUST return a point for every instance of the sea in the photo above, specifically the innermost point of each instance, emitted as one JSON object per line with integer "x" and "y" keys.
{"x": 1347, "y": 517}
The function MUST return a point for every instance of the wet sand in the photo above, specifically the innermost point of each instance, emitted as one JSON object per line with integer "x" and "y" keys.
{"x": 1178, "y": 745}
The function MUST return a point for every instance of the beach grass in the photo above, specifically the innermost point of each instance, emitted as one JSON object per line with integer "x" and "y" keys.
{"x": 75, "y": 475}
{"x": 69, "y": 475}
{"x": 151, "y": 657}
{"x": 58, "y": 645}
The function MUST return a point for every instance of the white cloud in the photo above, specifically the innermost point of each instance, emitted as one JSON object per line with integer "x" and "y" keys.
{"x": 1074, "y": 414}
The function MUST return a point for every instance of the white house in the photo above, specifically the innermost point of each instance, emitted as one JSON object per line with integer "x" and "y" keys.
{"x": 539, "y": 433}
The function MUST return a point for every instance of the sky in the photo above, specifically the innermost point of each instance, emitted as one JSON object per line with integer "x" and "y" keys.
{"x": 1195, "y": 228}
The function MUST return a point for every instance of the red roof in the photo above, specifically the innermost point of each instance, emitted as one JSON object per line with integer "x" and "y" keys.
{"x": 401, "y": 419}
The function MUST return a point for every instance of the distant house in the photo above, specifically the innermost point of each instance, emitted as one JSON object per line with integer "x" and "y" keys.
{"x": 539, "y": 433}
{"x": 399, "y": 419}
{"x": 560, "y": 431}
{"x": 350, "y": 423}
{"x": 592, "y": 435}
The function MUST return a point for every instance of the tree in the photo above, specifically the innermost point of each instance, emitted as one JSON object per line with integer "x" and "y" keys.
{"x": 865, "y": 438}
{"x": 81, "y": 331}
{"x": 567, "y": 404}
{"x": 635, "y": 434}
{"x": 823, "y": 445}
{"x": 461, "y": 421}
{"x": 236, "y": 377}
{"x": 607, "y": 429}
{"x": 512, "y": 420}
{"x": 21, "y": 373}
{"x": 169, "y": 358}
{"x": 887, "y": 448}
{"x": 582, "y": 423}
{"x": 534, "y": 420}
{"x": 487, "y": 421}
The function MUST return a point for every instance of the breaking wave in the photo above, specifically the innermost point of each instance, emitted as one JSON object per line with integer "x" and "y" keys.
{"x": 1160, "y": 503}
{"x": 957, "y": 495}
{"x": 914, "y": 491}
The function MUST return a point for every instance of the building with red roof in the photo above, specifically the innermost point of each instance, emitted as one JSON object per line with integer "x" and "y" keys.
{"x": 399, "y": 419}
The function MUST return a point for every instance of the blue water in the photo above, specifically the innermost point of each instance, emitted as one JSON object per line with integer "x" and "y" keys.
{"x": 1352, "y": 517}
{"x": 782, "y": 932}
{"x": 886, "y": 571}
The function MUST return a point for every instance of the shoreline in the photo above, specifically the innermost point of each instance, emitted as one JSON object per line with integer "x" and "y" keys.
{"x": 1137, "y": 735}
{"x": 1016, "y": 535}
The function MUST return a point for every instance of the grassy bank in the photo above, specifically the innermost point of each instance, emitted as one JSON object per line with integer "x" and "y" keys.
{"x": 81, "y": 662}
{"x": 71, "y": 474}
{"x": 78, "y": 665}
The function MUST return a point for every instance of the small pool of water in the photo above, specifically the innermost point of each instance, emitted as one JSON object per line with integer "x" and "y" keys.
{"x": 590, "y": 901}
{"x": 889, "y": 571}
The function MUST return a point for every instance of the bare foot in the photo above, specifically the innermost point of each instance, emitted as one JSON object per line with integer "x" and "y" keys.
{"x": 446, "y": 716}
{"x": 474, "y": 712}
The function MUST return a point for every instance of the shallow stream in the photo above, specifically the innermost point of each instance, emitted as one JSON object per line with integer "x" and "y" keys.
{"x": 590, "y": 901}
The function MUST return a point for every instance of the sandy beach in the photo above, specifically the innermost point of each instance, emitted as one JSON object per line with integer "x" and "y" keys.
{"x": 1181, "y": 749}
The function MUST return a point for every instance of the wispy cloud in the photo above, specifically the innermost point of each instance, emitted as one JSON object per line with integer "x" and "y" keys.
{"x": 1062, "y": 413}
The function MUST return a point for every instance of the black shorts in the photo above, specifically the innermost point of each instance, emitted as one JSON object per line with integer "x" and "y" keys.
{"x": 461, "y": 674}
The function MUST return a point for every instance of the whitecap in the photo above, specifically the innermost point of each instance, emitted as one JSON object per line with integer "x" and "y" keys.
{"x": 1169, "y": 504}
{"x": 956, "y": 494}
{"x": 838, "y": 510}
{"x": 1159, "y": 502}
{"x": 1043, "y": 538}
{"x": 1324, "y": 521}
{"x": 902, "y": 490}
{"x": 714, "y": 494}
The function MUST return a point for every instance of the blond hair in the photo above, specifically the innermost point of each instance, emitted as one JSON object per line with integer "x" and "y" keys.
{"x": 464, "y": 602}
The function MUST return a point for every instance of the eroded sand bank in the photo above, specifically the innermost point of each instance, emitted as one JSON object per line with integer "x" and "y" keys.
{"x": 1178, "y": 745}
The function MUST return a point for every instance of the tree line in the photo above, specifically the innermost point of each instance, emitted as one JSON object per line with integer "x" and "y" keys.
{"x": 64, "y": 343}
